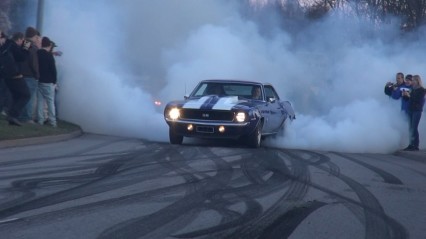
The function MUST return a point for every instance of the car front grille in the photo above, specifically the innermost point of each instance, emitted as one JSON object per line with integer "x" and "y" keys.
{"x": 196, "y": 114}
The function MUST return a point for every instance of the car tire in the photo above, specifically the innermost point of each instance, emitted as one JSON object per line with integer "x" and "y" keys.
{"x": 255, "y": 138}
{"x": 174, "y": 138}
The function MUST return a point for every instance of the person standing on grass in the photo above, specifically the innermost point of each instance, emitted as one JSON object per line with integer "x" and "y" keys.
{"x": 5, "y": 96}
{"x": 31, "y": 74}
{"x": 47, "y": 82}
{"x": 13, "y": 51}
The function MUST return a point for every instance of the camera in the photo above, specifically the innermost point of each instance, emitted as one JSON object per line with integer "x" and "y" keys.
{"x": 390, "y": 84}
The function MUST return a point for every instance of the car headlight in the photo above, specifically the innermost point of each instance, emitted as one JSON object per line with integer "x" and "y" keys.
{"x": 174, "y": 114}
{"x": 240, "y": 117}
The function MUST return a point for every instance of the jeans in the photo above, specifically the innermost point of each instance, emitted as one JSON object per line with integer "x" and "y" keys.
{"x": 414, "y": 127}
{"x": 46, "y": 93}
{"x": 20, "y": 94}
{"x": 28, "y": 111}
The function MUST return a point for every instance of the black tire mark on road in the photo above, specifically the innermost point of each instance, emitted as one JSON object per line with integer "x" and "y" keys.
{"x": 387, "y": 177}
{"x": 378, "y": 225}
{"x": 87, "y": 185}
{"x": 69, "y": 155}
{"x": 284, "y": 225}
{"x": 192, "y": 202}
{"x": 297, "y": 176}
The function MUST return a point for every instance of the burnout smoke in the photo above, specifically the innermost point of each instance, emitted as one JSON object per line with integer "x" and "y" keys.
{"x": 119, "y": 57}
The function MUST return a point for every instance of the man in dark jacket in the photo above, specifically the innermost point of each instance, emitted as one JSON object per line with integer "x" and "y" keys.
{"x": 47, "y": 82}
{"x": 5, "y": 96}
{"x": 12, "y": 51}
{"x": 30, "y": 71}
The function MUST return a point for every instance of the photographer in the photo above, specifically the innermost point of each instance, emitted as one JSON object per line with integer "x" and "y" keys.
{"x": 13, "y": 51}
{"x": 390, "y": 86}
{"x": 396, "y": 91}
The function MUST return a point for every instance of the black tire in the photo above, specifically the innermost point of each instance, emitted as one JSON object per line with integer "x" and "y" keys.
{"x": 255, "y": 138}
{"x": 174, "y": 138}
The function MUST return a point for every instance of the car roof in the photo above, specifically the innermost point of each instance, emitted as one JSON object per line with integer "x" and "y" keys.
{"x": 233, "y": 81}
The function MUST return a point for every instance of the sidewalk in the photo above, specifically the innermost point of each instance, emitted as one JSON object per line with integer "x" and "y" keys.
{"x": 39, "y": 140}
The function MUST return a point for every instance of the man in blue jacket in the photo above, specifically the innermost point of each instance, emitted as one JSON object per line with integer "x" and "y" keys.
{"x": 400, "y": 92}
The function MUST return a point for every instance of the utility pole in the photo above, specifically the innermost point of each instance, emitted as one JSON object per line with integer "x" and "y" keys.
{"x": 40, "y": 10}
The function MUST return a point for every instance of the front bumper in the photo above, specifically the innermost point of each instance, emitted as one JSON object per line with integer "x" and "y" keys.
{"x": 211, "y": 129}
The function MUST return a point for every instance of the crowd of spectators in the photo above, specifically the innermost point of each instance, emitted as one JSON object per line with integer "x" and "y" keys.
{"x": 28, "y": 78}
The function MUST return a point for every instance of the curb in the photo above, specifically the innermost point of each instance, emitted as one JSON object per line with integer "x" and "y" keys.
{"x": 39, "y": 140}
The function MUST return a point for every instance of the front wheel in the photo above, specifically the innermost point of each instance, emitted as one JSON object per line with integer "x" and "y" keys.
{"x": 174, "y": 138}
{"x": 255, "y": 138}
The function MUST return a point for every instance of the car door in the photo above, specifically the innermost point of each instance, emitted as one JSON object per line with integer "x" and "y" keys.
{"x": 275, "y": 113}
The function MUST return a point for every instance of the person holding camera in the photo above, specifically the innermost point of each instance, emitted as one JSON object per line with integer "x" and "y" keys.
{"x": 396, "y": 90}
{"x": 402, "y": 91}
{"x": 416, "y": 101}
{"x": 392, "y": 86}
{"x": 12, "y": 52}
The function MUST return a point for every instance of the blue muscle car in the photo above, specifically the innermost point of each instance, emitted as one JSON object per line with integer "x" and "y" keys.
{"x": 232, "y": 109}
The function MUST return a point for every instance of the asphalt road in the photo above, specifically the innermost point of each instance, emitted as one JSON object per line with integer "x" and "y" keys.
{"x": 107, "y": 187}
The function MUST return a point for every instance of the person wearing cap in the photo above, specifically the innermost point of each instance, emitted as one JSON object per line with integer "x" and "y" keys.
{"x": 30, "y": 71}
{"x": 46, "y": 83}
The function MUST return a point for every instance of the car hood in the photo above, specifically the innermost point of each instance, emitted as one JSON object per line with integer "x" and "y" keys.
{"x": 214, "y": 102}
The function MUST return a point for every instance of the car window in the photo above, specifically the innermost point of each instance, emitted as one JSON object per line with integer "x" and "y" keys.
{"x": 200, "y": 90}
{"x": 228, "y": 89}
{"x": 270, "y": 93}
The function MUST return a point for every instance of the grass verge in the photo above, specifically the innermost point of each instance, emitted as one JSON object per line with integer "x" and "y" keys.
{"x": 9, "y": 132}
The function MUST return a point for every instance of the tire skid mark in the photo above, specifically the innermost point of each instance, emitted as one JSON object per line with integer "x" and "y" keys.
{"x": 23, "y": 204}
{"x": 297, "y": 175}
{"x": 69, "y": 155}
{"x": 53, "y": 171}
{"x": 387, "y": 177}
{"x": 191, "y": 202}
{"x": 203, "y": 192}
{"x": 24, "y": 187}
{"x": 417, "y": 171}
{"x": 87, "y": 188}
{"x": 284, "y": 225}
{"x": 155, "y": 194}
{"x": 239, "y": 193}
{"x": 378, "y": 224}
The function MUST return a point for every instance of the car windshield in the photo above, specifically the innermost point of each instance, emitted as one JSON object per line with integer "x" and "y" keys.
{"x": 249, "y": 91}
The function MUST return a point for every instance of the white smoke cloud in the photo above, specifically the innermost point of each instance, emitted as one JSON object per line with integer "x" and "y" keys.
{"x": 119, "y": 56}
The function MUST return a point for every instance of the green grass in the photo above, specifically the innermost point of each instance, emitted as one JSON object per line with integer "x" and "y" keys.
{"x": 8, "y": 132}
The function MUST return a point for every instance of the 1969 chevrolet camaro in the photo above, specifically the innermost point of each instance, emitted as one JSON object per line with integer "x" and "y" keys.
{"x": 231, "y": 109}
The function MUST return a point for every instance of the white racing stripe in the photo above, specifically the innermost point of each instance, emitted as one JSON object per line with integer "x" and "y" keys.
{"x": 226, "y": 103}
{"x": 195, "y": 104}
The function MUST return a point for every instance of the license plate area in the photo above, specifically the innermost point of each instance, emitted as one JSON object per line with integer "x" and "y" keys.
{"x": 205, "y": 129}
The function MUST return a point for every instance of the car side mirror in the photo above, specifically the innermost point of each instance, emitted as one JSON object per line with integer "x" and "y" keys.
{"x": 186, "y": 97}
{"x": 271, "y": 99}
